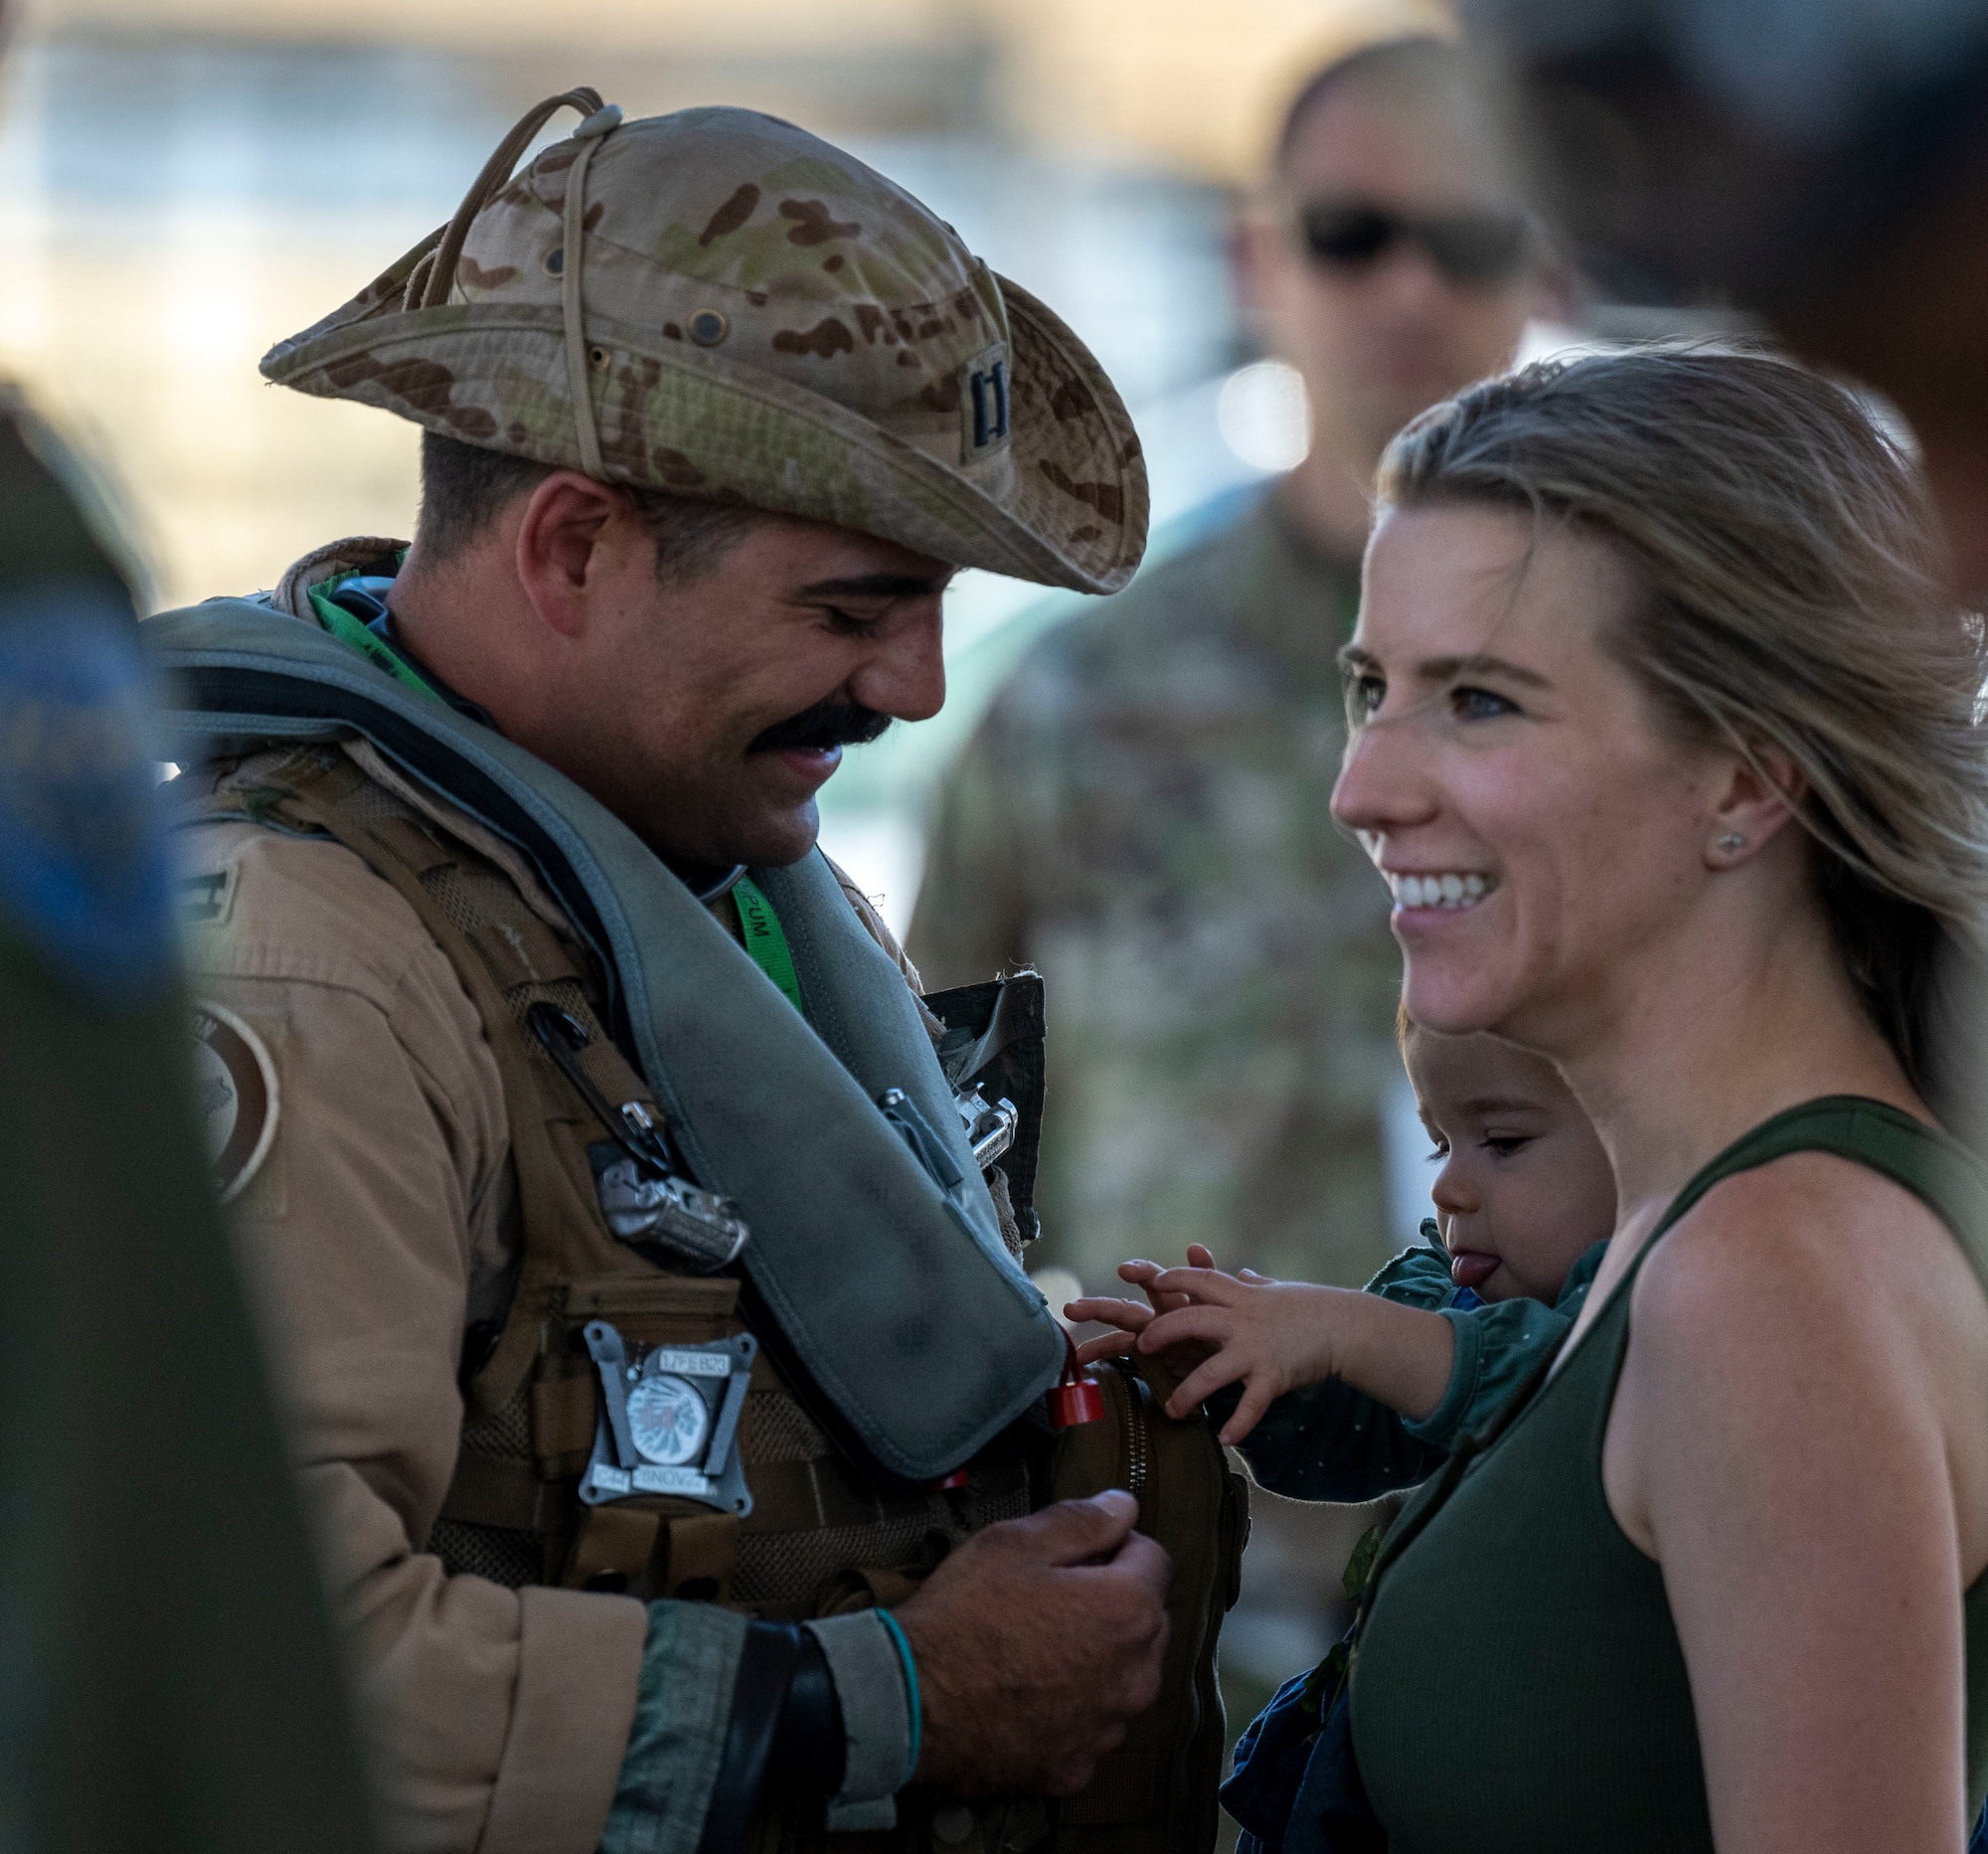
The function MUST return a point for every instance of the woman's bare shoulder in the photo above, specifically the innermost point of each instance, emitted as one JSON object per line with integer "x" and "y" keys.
{"x": 1814, "y": 1314}
{"x": 1813, "y": 1230}
{"x": 1810, "y": 1295}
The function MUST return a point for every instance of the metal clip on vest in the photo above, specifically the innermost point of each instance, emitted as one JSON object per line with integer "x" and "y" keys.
{"x": 647, "y": 1201}
{"x": 990, "y": 1132}
{"x": 1073, "y": 1399}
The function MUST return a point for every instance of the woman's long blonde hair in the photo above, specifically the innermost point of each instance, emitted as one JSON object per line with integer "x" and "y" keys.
{"x": 1792, "y": 597}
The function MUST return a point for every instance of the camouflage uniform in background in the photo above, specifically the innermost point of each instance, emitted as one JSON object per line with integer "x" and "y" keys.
{"x": 1144, "y": 816}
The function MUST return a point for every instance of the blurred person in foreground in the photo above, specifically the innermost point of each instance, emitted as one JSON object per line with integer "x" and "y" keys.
{"x": 1143, "y": 817}
{"x": 167, "y": 1677}
{"x": 642, "y": 1249}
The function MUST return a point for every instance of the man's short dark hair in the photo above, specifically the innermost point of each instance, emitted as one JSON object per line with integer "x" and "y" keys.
{"x": 464, "y": 488}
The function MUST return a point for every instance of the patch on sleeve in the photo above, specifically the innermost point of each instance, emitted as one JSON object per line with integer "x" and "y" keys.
{"x": 208, "y": 898}
{"x": 234, "y": 1083}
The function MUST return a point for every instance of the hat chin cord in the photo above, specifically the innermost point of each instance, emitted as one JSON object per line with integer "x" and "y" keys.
{"x": 431, "y": 282}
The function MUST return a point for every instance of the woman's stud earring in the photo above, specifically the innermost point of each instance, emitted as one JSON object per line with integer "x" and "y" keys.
{"x": 1731, "y": 843}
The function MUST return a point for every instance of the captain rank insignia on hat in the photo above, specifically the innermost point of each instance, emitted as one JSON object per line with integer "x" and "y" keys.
{"x": 983, "y": 404}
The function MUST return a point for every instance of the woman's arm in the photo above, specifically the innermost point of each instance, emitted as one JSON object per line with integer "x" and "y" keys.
{"x": 1800, "y": 1438}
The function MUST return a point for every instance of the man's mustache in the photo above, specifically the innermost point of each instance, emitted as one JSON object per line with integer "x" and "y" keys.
{"x": 827, "y": 723}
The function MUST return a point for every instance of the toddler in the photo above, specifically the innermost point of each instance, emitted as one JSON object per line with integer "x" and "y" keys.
{"x": 1336, "y": 1395}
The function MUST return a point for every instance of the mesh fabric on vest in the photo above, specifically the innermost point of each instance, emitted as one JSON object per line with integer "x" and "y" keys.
{"x": 512, "y": 1559}
{"x": 776, "y": 1428}
{"x": 504, "y": 1433}
{"x": 478, "y": 899}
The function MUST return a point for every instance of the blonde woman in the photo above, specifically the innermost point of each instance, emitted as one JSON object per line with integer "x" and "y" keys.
{"x": 1666, "y": 745}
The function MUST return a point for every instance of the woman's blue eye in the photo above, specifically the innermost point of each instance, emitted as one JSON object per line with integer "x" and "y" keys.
{"x": 1479, "y": 705}
{"x": 1364, "y": 694}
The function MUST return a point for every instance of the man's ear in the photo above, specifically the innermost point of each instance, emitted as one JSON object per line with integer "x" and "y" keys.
{"x": 558, "y": 536}
{"x": 1764, "y": 789}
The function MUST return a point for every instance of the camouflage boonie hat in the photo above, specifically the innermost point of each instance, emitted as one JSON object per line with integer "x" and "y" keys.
{"x": 754, "y": 316}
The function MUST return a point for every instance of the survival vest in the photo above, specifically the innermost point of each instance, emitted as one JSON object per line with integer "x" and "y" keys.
{"x": 815, "y": 1426}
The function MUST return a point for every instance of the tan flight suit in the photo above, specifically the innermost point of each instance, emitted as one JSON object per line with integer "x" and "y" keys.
{"x": 501, "y": 1715}
{"x": 384, "y": 1209}
{"x": 381, "y": 1231}
{"x": 378, "y": 1225}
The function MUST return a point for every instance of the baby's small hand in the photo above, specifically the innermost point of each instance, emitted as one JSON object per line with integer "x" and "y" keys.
{"x": 1131, "y": 1319}
{"x": 1271, "y": 1336}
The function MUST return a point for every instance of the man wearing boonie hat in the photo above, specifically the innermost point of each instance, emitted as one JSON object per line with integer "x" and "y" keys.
{"x": 639, "y": 1252}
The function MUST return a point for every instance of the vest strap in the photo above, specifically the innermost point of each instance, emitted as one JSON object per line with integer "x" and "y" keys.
{"x": 775, "y": 1111}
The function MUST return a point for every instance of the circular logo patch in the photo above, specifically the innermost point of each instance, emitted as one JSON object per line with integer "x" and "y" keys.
{"x": 667, "y": 1419}
{"x": 235, "y": 1084}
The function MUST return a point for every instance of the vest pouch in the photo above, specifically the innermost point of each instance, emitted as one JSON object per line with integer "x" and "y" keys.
{"x": 1155, "y": 1794}
{"x": 992, "y": 1057}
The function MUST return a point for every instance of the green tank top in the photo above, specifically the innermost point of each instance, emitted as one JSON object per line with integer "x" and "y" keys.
{"x": 1519, "y": 1687}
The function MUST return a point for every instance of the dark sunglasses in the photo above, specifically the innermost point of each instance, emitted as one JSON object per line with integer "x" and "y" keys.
{"x": 1467, "y": 247}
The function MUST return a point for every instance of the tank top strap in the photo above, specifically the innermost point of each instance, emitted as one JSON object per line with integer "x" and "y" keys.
{"x": 1934, "y": 1166}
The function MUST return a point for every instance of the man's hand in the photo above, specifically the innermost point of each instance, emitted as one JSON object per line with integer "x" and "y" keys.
{"x": 1036, "y": 1642}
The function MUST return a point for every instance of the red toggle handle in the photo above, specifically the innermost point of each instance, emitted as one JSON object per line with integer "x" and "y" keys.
{"x": 1073, "y": 1399}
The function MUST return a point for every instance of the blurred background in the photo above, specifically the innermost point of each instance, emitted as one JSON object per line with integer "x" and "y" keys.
{"x": 184, "y": 182}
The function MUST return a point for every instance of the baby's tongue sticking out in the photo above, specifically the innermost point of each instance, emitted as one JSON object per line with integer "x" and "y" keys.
{"x": 1472, "y": 1268}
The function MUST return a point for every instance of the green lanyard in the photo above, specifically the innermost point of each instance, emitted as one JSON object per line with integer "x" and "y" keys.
{"x": 766, "y": 940}
{"x": 352, "y": 633}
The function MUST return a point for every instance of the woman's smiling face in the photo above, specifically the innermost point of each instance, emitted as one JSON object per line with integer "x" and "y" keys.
{"x": 1539, "y": 827}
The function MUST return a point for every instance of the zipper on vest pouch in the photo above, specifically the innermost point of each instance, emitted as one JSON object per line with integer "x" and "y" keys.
{"x": 1138, "y": 1438}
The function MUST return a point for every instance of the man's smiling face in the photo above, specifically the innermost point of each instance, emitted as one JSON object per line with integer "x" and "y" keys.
{"x": 708, "y": 712}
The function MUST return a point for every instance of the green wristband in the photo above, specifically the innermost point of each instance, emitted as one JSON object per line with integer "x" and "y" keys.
{"x": 913, "y": 1700}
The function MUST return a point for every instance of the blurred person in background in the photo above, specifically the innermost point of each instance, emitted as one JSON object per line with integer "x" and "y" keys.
{"x": 1824, "y": 168}
{"x": 1143, "y": 815}
{"x": 167, "y": 1676}
{"x": 662, "y": 1520}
